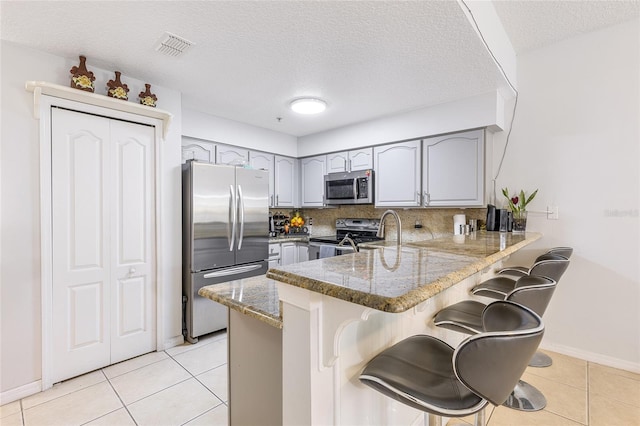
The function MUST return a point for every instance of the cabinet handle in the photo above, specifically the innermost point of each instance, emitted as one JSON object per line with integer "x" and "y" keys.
{"x": 350, "y": 165}
{"x": 132, "y": 271}
{"x": 427, "y": 198}
{"x": 277, "y": 201}
{"x": 419, "y": 198}
{"x": 271, "y": 203}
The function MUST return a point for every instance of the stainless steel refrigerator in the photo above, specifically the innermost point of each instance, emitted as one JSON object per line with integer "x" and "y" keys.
{"x": 225, "y": 220}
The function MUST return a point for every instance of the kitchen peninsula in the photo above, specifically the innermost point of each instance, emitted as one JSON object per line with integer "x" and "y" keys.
{"x": 337, "y": 313}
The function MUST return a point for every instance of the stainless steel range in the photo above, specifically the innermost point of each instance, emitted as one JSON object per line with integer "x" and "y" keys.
{"x": 347, "y": 230}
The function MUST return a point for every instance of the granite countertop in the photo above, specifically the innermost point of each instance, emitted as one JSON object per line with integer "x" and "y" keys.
{"x": 290, "y": 238}
{"x": 395, "y": 279}
{"x": 256, "y": 297}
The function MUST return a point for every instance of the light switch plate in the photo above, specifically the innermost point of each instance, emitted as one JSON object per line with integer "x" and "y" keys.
{"x": 552, "y": 212}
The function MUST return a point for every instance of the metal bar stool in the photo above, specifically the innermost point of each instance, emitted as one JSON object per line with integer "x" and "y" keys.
{"x": 466, "y": 317}
{"x": 426, "y": 373}
{"x": 520, "y": 271}
{"x": 551, "y": 265}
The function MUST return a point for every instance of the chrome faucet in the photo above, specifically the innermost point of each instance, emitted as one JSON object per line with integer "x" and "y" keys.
{"x": 348, "y": 239}
{"x": 380, "y": 232}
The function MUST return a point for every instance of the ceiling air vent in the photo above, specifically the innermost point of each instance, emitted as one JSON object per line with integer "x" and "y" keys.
{"x": 172, "y": 45}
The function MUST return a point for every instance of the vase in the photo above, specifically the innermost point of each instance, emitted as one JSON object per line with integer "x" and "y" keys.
{"x": 519, "y": 222}
{"x": 81, "y": 78}
{"x": 117, "y": 89}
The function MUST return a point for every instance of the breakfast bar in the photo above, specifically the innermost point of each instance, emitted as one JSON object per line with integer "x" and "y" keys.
{"x": 337, "y": 313}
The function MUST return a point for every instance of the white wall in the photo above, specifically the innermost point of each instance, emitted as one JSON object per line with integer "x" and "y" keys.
{"x": 576, "y": 138}
{"x": 216, "y": 129}
{"x": 20, "y": 353}
{"x": 486, "y": 110}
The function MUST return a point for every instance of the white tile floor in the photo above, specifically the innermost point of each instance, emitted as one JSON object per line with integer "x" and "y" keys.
{"x": 185, "y": 385}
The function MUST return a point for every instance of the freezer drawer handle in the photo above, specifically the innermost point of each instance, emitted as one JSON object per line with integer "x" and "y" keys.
{"x": 232, "y": 271}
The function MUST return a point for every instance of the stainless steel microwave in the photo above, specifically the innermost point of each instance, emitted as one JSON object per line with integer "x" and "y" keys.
{"x": 349, "y": 187}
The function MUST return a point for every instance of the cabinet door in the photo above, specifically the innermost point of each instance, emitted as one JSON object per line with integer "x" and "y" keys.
{"x": 303, "y": 252}
{"x": 262, "y": 160}
{"x": 312, "y": 185}
{"x": 231, "y": 155}
{"x": 285, "y": 177}
{"x": 288, "y": 254}
{"x": 453, "y": 172}
{"x": 337, "y": 162}
{"x": 397, "y": 174}
{"x": 361, "y": 159}
{"x": 196, "y": 150}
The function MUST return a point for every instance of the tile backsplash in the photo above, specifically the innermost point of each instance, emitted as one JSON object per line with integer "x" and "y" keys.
{"x": 435, "y": 222}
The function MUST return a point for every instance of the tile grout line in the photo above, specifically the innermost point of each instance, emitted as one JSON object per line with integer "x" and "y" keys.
{"x": 588, "y": 395}
{"x": 197, "y": 380}
{"x": 121, "y": 401}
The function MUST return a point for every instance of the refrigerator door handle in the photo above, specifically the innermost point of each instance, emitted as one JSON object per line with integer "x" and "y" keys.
{"x": 232, "y": 216}
{"x": 241, "y": 214}
{"x": 232, "y": 271}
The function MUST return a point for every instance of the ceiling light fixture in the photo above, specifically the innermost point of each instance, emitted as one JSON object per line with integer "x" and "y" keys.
{"x": 308, "y": 105}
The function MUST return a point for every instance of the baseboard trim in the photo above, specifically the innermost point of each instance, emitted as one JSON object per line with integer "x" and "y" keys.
{"x": 173, "y": 341}
{"x": 594, "y": 357}
{"x": 20, "y": 392}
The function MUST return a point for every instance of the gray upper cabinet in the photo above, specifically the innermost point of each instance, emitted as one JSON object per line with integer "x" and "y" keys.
{"x": 312, "y": 170}
{"x": 285, "y": 175}
{"x": 453, "y": 170}
{"x": 356, "y": 159}
{"x": 265, "y": 161}
{"x": 197, "y": 150}
{"x": 337, "y": 162}
{"x": 226, "y": 154}
{"x": 398, "y": 174}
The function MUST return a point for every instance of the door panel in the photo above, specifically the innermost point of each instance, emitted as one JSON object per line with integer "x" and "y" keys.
{"x": 398, "y": 174}
{"x": 132, "y": 221}
{"x": 81, "y": 273}
{"x": 85, "y": 321}
{"x": 212, "y": 204}
{"x": 253, "y": 215}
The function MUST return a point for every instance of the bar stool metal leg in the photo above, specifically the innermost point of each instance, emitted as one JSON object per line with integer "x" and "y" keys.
{"x": 525, "y": 398}
{"x": 540, "y": 360}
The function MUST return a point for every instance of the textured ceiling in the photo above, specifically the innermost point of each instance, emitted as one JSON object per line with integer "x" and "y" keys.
{"x": 366, "y": 58}
{"x": 534, "y": 24}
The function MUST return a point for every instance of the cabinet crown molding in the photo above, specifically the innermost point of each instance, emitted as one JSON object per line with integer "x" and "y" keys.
{"x": 40, "y": 88}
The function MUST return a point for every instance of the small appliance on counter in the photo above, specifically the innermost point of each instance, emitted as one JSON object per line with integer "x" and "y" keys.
{"x": 499, "y": 219}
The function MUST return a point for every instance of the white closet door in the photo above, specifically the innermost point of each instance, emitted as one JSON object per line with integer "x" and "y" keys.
{"x": 103, "y": 242}
{"x": 81, "y": 257}
{"x": 132, "y": 250}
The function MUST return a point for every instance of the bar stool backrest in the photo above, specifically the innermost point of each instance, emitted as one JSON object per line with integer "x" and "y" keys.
{"x": 533, "y": 292}
{"x": 491, "y": 363}
{"x": 550, "y": 268}
{"x": 562, "y": 251}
